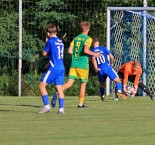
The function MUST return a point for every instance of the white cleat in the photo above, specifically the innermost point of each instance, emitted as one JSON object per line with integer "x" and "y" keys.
{"x": 116, "y": 99}
{"x": 44, "y": 110}
{"x": 61, "y": 111}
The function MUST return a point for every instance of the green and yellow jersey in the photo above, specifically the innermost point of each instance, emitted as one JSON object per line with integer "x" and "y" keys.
{"x": 79, "y": 58}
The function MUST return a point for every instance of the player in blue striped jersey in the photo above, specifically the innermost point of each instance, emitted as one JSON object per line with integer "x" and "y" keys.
{"x": 54, "y": 48}
{"x": 104, "y": 68}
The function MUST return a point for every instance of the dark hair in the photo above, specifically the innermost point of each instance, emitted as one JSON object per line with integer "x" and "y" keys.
{"x": 51, "y": 28}
{"x": 95, "y": 39}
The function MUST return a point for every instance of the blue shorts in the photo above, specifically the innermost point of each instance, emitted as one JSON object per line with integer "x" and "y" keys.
{"x": 108, "y": 71}
{"x": 53, "y": 76}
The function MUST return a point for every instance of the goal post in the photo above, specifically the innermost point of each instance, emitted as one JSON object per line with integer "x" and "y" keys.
{"x": 131, "y": 36}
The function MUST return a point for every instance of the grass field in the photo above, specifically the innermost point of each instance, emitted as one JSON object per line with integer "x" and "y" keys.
{"x": 130, "y": 122}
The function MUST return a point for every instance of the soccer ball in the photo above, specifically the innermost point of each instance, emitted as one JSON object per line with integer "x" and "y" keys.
{"x": 130, "y": 90}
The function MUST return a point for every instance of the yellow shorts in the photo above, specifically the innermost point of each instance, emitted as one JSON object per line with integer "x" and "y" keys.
{"x": 75, "y": 73}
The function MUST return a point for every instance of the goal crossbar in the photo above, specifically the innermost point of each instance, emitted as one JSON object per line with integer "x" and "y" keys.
{"x": 132, "y": 8}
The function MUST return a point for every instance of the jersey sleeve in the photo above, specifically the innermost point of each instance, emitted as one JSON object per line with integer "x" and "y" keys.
{"x": 107, "y": 51}
{"x": 88, "y": 42}
{"x": 126, "y": 74}
{"x": 72, "y": 43}
{"x": 47, "y": 46}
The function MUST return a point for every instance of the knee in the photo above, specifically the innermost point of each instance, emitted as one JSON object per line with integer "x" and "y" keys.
{"x": 41, "y": 85}
{"x": 117, "y": 80}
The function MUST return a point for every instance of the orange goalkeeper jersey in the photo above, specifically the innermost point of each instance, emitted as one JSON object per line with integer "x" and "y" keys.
{"x": 128, "y": 69}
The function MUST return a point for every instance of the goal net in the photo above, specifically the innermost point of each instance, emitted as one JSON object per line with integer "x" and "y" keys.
{"x": 131, "y": 36}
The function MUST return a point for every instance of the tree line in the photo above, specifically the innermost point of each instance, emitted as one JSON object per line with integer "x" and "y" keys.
{"x": 65, "y": 14}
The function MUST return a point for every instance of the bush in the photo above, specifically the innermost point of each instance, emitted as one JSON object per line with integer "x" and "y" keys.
{"x": 9, "y": 85}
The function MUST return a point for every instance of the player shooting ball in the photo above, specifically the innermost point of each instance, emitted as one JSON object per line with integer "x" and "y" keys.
{"x": 132, "y": 71}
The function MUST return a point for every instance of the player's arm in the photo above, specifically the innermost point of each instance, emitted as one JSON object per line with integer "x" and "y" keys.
{"x": 87, "y": 48}
{"x": 136, "y": 81}
{"x": 95, "y": 64}
{"x": 108, "y": 53}
{"x": 47, "y": 48}
{"x": 111, "y": 57}
{"x": 125, "y": 81}
{"x": 70, "y": 49}
{"x": 44, "y": 53}
{"x": 87, "y": 51}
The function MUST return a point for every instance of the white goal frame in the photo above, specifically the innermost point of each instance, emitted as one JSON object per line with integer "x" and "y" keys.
{"x": 109, "y": 9}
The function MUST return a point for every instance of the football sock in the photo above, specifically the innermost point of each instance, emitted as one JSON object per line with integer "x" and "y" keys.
{"x": 101, "y": 91}
{"x": 47, "y": 106}
{"x": 61, "y": 102}
{"x": 45, "y": 99}
{"x": 61, "y": 109}
{"x": 119, "y": 87}
{"x": 81, "y": 100}
{"x": 145, "y": 89}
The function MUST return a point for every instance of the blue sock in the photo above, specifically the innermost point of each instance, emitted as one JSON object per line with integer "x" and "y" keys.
{"x": 101, "y": 91}
{"x": 119, "y": 86}
{"x": 61, "y": 102}
{"x": 45, "y": 99}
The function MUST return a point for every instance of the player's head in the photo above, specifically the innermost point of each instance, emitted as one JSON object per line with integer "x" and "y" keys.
{"x": 137, "y": 64}
{"x": 85, "y": 27}
{"x": 51, "y": 30}
{"x": 96, "y": 42}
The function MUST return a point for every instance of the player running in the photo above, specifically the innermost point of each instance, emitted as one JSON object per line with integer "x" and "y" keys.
{"x": 80, "y": 51}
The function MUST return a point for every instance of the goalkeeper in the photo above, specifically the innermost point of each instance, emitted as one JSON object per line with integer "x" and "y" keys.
{"x": 132, "y": 71}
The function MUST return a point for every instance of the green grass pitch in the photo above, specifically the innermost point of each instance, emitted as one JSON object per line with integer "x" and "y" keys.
{"x": 122, "y": 122}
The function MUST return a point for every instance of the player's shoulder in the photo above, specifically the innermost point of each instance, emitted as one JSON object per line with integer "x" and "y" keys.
{"x": 57, "y": 41}
{"x": 140, "y": 70}
{"x": 103, "y": 47}
{"x": 84, "y": 36}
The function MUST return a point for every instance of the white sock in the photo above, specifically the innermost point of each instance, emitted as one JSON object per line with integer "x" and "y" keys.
{"x": 80, "y": 104}
{"x": 47, "y": 106}
{"x": 119, "y": 91}
{"x": 61, "y": 109}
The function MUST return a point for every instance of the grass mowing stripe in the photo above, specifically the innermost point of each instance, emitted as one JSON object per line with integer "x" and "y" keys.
{"x": 103, "y": 123}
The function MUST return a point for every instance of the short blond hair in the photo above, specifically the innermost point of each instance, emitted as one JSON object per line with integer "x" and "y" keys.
{"x": 84, "y": 26}
{"x": 137, "y": 63}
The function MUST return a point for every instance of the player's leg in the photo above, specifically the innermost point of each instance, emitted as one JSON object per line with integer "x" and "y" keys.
{"x": 61, "y": 99}
{"x": 46, "y": 79}
{"x": 102, "y": 90}
{"x": 68, "y": 84}
{"x": 146, "y": 90}
{"x": 71, "y": 78}
{"x": 59, "y": 81}
{"x": 82, "y": 95}
{"x": 44, "y": 94}
{"x": 83, "y": 75}
{"x": 102, "y": 78}
{"x": 143, "y": 87}
{"x": 54, "y": 99}
{"x": 112, "y": 74}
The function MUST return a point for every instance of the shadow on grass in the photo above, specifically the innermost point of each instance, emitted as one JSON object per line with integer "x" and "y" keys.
{"x": 25, "y": 105}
